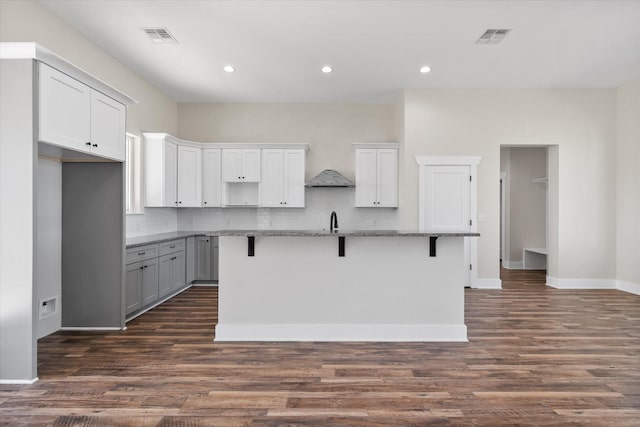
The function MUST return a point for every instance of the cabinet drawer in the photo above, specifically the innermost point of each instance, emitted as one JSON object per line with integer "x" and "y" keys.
{"x": 172, "y": 246}
{"x": 142, "y": 253}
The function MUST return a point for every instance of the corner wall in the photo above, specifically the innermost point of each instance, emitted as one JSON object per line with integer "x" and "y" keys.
{"x": 628, "y": 187}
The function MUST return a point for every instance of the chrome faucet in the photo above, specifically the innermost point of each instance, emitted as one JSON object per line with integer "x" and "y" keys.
{"x": 333, "y": 222}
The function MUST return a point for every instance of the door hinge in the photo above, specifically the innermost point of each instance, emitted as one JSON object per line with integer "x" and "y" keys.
{"x": 470, "y": 266}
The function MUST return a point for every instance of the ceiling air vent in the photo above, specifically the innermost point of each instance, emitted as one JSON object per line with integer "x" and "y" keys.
{"x": 492, "y": 36}
{"x": 160, "y": 35}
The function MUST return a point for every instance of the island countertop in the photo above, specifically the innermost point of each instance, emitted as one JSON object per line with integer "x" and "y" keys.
{"x": 133, "y": 242}
{"x": 342, "y": 233}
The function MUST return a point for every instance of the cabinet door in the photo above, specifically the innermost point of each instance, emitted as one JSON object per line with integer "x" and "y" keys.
{"x": 203, "y": 258}
{"x": 232, "y": 165}
{"x": 133, "y": 295}
{"x": 366, "y": 177}
{"x": 387, "y": 178}
{"x": 189, "y": 177}
{"x": 191, "y": 259}
{"x": 272, "y": 183}
{"x": 170, "y": 175}
{"x": 294, "y": 169}
{"x": 251, "y": 165}
{"x": 149, "y": 281}
{"x": 107, "y": 127}
{"x": 211, "y": 177}
{"x": 64, "y": 107}
{"x": 178, "y": 270}
{"x": 165, "y": 276}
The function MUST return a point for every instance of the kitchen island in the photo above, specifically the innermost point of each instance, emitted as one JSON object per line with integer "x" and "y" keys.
{"x": 364, "y": 285}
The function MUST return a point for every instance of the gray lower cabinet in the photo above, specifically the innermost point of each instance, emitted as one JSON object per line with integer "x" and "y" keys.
{"x": 141, "y": 284}
{"x": 172, "y": 273}
{"x": 153, "y": 272}
{"x": 133, "y": 291}
{"x": 191, "y": 259}
{"x": 203, "y": 258}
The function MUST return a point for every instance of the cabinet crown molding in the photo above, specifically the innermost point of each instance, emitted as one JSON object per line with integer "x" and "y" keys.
{"x": 31, "y": 50}
{"x": 359, "y": 145}
{"x": 173, "y": 139}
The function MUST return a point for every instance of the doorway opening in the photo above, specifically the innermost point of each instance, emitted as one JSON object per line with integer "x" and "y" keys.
{"x": 524, "y": 213}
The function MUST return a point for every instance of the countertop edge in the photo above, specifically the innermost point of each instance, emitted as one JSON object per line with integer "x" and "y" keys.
{"x": 135, "y": 242}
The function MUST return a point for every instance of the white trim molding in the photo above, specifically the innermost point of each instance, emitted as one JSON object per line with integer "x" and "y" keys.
{"x": 341, "y": 332}
{"x": 20, "y": 382}
{"x": 513, "y": 265}
{"x": 486, "y": 284}
{"x": 581, "y": 283}
{"x": 632, "y": 288}
{"x": 448, "y": 161}
{"x": 89, "y": 328}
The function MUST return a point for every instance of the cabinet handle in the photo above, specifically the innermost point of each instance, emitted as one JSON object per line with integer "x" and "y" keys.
{"x": 243, "y": 177}
{"x": 285, "y": 203}
{"x": 172, "y": 246}
{"x": 175, "y": 257}
{"x": 95, "y": 145}
{"x": 146, "y": 266}
{"x": 87, "y": 143}
{"x": 239, "y": 177}
{"x": 180, "y": 203}
{"x": 141, "y": 253}
{"x": 141, "y": 268}
{"x": 205, "y": 203}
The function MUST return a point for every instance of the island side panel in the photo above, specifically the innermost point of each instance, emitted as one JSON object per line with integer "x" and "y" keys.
{"x": 298, "y": 289}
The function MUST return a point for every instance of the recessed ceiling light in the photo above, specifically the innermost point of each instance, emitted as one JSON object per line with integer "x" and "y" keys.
{"x": 425, "y": 69}
{"x": 326, "y": 69}
{"x": 229, "y": 69}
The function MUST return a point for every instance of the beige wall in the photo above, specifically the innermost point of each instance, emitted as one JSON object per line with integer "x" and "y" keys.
{"x": 329, "y": 129}
{"x": 467, "y": 122}
{"x": 628, "y": 183}
{"x": 27, "y": 21}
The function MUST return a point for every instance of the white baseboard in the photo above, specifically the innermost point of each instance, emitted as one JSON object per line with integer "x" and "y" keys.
{"x": 340, "y": 332}
{"x": 513, "y": 265}
{"x": 21, "y": 382}
{"x": 90, "y": 328}
{"x": 581, "y": 283}
{"x": 632, "y": 288}
{"x": 487, "y": 284}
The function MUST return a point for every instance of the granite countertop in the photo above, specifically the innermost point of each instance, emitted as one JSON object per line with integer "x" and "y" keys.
{"x": 134, "y": 242}
{"x": 341, "y": 233}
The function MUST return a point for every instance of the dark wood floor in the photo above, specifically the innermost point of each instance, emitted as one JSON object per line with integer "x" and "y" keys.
{"x": 536, "y": 356}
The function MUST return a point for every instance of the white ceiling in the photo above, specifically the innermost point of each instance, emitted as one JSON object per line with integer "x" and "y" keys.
{"x": 374, "y": 47}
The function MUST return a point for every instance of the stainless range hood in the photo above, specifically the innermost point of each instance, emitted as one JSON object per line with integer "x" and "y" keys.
{"x": 329, "y": 178}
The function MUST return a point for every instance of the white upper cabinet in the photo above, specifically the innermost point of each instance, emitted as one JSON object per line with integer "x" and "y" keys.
{"x": 272, "y": 184}
{"x": 282, "y": 182}
{"x": 294, "y": 170}
{"x": 211, "y": 179}
{"x": 241, "y": 165}
{"x": 107, "y": 127}
{"x": 376, "y": 177}
{"x": 65, "y": 110}
{"x": 75, "y": 116}
{"x": 189, "y": 177}
{"x": 173, "y": 173}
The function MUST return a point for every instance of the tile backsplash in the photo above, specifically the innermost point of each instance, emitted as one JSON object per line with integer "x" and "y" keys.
{"x": 320, "y": 202}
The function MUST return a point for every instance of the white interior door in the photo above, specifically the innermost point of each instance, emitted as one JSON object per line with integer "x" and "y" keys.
{"x": 447, "y": 198}
{"x": 447, "y": 204}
